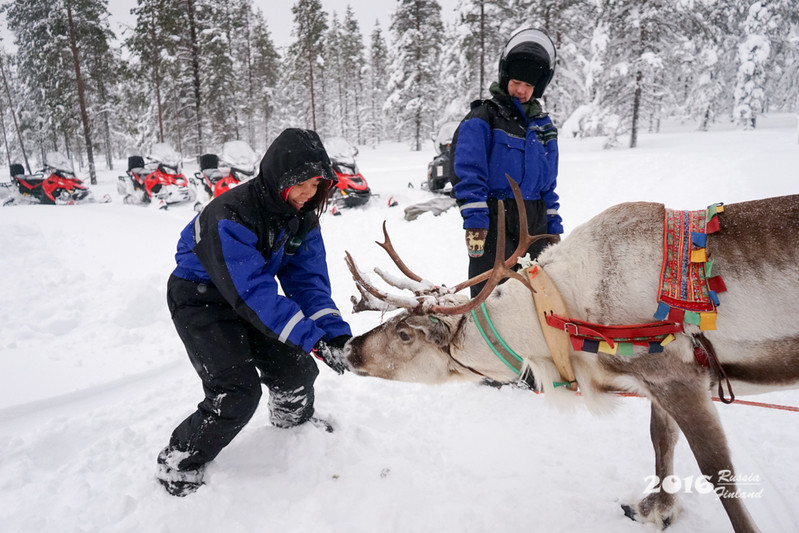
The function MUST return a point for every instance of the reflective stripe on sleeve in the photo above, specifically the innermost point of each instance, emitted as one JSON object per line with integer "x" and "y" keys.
{"x": 474, "y": 205}
{"x": 287, "y": 329}
{"x": 552, "y": 212}
{"x": 322, "y": 312}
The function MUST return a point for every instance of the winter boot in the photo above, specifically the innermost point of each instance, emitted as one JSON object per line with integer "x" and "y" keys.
{"x": 289, "y": 409}
{"x": 177, "y": 482}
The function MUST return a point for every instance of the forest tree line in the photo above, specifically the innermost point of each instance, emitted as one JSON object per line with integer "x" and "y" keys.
{"x": 197, "y": 73}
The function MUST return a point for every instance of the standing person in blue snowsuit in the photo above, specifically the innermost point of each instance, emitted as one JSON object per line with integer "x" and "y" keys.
{"x": 239, "y": 331}
{"x": 509, "y": 134}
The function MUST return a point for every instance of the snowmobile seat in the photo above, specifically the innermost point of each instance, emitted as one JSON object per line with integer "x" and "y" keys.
{"x": 209, "y": 161}
{"x": 17, "y": 170}
{"x": 135, "y": 162}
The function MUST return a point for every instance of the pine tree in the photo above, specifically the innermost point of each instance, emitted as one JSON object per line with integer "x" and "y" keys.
{"x": 10, "y": 97}
{"x": 417, "y": 33}
{"x": 305, "y": 55}
{"x": 472, "y": 51}
{"x": 376, "y": 73}
{"x": 155, "y": 49}
{"x": 221, "y": 86}
{"x": 265, "y": 67}
{"x": 353, "y": 64}
{"x": 334, "y": 104}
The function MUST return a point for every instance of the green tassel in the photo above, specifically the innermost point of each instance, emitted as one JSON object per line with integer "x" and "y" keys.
{"x": 692, "y": 317}
{"x": 625, "y": 349}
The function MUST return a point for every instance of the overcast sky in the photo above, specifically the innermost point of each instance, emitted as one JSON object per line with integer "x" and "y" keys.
{"x": 280, "y": 20}
{"x": 278, "y": 16}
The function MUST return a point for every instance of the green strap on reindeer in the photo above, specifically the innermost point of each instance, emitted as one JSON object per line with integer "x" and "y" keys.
{"x": 495, "y": 342}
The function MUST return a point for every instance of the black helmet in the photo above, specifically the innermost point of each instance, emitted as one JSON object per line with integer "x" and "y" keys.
{"x": 529, "y": 56}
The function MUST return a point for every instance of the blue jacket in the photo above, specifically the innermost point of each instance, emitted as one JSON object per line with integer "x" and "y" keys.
{"x": 247, "y": 240}
{"x": 496, "y": 138}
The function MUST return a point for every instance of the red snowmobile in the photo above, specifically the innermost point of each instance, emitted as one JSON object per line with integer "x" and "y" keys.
{"x": 218, "y": 174}
{"x": 351, "y": 190}
{"x": 159, "y": 182}
{"x": 55, "y": 184}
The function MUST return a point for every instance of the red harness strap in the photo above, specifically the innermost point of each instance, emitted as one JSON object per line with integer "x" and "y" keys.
{"x": 609, "y": 334}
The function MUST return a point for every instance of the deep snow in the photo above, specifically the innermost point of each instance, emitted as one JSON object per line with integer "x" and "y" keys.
{"x": 93, "y": 377}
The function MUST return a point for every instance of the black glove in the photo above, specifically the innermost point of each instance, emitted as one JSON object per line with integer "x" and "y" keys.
{"x": 332, "y": 352}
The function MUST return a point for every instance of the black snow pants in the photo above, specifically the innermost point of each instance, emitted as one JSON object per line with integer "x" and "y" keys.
{"x": 233, "y": 360}
{"x": 536, "y": 225}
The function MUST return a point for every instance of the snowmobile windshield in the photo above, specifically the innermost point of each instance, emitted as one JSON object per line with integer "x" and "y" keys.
{"x": 445, "y": 134}
{"x": 339, "y": 149}
{"x": 532, "y": 36}
{"x": 164, "y": 154}
{"x": 239, "y": 155}
{"x": 58, "y": 161}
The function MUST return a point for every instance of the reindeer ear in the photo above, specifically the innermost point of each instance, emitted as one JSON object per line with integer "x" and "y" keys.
{"x": 439, "y": 329}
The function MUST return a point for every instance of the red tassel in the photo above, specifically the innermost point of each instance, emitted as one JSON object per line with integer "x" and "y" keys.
{"x": 676, "y": 315}
{"x": 712, "y": 225}
{"x": 716, "y": 284}
{"x": 577, "y": 343}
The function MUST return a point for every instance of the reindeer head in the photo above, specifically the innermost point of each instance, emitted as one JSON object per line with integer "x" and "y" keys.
{"x": 419, "y": 343}
{"x": 410, "y": 347}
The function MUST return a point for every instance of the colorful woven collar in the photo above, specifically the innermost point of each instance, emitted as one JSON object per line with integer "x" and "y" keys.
{"x": 688, "y": 288}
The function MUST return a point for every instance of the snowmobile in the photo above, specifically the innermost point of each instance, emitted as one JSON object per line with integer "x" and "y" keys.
{"x": 55, "y": 184}
{"x": 159, "y": 182}
{"x": 440, "y": 169}
{"x": 236, "y": 164}
{"x": 351, "y": 189}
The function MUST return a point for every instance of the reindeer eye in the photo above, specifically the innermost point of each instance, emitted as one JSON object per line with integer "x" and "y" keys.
{"x": 404, "y": 336}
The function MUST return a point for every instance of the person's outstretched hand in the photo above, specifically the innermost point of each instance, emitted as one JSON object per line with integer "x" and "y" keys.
{"x": 331, "y": 352}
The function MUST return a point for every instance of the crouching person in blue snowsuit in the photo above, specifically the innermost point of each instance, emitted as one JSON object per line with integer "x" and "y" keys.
{"x": 239, "y": 332}
{"x": 509, "y": 134}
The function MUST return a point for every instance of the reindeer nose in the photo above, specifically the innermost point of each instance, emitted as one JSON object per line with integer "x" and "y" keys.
{"x": 352, "y": 353}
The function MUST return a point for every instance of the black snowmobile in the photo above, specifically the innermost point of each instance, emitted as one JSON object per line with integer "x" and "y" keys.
{"x": 439, "y": 170}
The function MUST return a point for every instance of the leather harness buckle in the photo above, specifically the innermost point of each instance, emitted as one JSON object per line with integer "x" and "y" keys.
{"x": 566, "y": 328}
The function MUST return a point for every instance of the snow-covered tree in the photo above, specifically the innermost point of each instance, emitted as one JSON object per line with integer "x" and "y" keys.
{"x": 264, "y": 77}
{"x": 753, "y": 56}
{"x": 155, "y": 48}
{"x": 304, "y": 58}
{"x": 353, "y": 64}
{"x": 62, "y": 46}
{"x": 376, "y": 76}
{"x": 414, "y": 67}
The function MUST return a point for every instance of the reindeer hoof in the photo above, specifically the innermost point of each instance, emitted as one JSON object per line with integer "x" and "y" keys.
{"x": 660, "y": 509}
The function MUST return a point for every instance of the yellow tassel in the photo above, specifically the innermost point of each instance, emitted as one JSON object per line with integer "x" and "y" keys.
{"x": 699, "y": 256}
{"x": 667, "y": 340}
{"x": 605, "y": 347}
{"x": 707, "y": 321}
{"x": 720, "y": 208}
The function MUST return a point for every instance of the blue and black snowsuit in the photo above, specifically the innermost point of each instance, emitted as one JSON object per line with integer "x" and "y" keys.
{"x": 495, "y": 138}
{"x": 223, "y": 295}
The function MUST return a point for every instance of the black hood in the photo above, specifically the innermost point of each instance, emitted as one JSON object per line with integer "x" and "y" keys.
{"x": 295, "y": 156}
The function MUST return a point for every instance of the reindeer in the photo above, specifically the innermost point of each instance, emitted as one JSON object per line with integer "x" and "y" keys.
{"x": 607, "y": 271}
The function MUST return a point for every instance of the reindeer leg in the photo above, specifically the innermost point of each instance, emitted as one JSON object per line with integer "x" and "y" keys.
{"x": 659, "y": 507}
{"x": 690, "y": 406}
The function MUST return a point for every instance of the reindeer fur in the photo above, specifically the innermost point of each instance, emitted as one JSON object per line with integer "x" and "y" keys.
{"x": 608, "y": 271}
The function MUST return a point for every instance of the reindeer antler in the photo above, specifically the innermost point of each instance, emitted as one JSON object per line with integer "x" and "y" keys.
{"x": 427, "y": 294}
{"x": 389, "y": 248}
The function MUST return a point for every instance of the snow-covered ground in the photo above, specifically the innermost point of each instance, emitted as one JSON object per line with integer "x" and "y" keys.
{"x": 93, "y": 377}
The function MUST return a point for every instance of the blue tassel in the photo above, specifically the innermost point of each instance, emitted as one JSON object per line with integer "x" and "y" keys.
{"x": 655, "y": 347}
{"x": 591, "y": 346}
{"x": 698, "y": 239}
{"x": 663, "y": 311}
{"x": 714, "y": 297}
